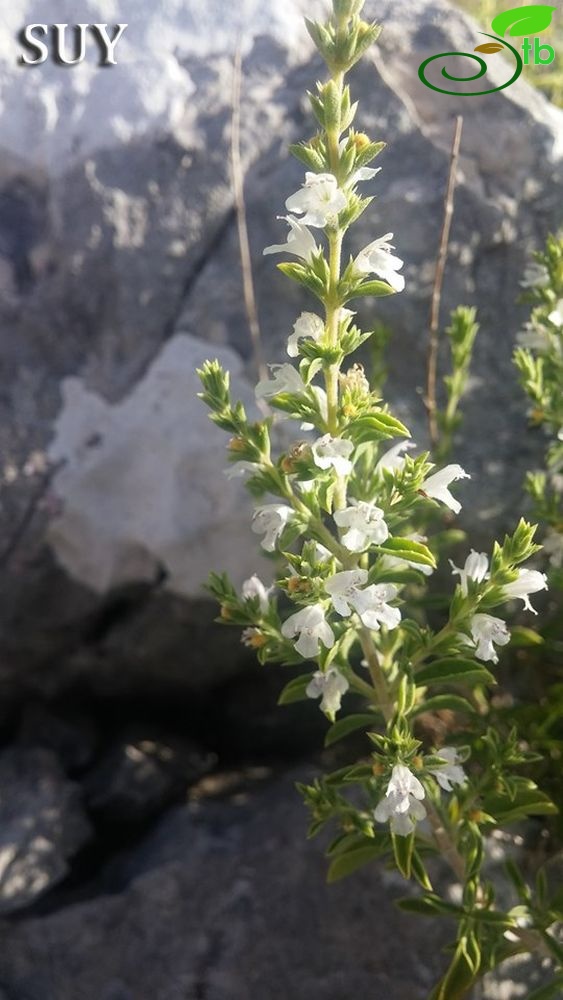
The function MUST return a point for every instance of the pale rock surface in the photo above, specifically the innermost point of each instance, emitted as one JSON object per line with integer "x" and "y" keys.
{"x": 42, "y": 825}
{"x": 143, "y": 486}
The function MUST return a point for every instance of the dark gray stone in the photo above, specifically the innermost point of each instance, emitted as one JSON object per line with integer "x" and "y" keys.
{"x": 42, "y": 825}
{"x": 228, "y": 902}
{"x": 138, "y": 776}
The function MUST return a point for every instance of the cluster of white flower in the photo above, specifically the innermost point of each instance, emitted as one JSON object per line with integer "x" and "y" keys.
{"x": 361, "y": 523}
{"x": 486, "y": 630}
{"x": 318, "y": 204}
{"x": 402, "y": 804}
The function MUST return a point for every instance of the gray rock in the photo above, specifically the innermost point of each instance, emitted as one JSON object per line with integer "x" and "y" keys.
{"x": 42, "y": 825}
{"x": 138, "y": 776}
{"x": 70, "y": 736}
{"x": 142, "y": 483}
{"x": 228, "y": 901}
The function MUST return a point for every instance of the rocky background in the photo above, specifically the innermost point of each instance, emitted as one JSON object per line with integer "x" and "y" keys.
{"x": 151, "y": 841}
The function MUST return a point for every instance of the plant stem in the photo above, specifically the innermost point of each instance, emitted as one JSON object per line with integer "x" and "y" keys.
{"x": 332, "y": 305}
{"x": 432, "y": 364}
{"x": 377, "y": 675}
{"x": 240, "y": 205}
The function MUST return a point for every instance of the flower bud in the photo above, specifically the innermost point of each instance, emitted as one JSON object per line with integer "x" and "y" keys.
{"x": 355, "y": 380}
{"x": 347, "y": 8}
{"x": 298, "y": 585}
{"x": 253, "y": 638}
{"x": 237, "y": 444}
{"x": 359, "y": 140}
{"x": 299, "y": 452}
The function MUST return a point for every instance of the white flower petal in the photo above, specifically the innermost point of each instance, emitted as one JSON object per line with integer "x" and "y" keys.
{"x": 436, "y": 485}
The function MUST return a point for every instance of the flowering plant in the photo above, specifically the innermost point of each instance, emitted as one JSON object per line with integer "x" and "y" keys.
{"x": 343, "y": 512}
{"x": 539, "y": 360}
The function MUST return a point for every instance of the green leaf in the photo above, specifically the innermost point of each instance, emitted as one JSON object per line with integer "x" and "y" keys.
{"x": 451, "y": 670}
{"x": 526, "y": 801}
{"x": 346, "y": 863}
{"x": 405, "y": 548}
{"x": 429, "y": 906}
{"x": 349, "y": 724}
{"x": 295, "y": 690}
{"x": 527, "y": 20}
{"x": 442, "y": 702}
{"x": 522, "y": 636}
{"x": 304, "y": 276}
{"x": 419, "y": 871}
{"x": 552, "y": 991}
{"x": 555, "y": 948}
{"x": 375, "y": 288}
{"x": 348, "y": 842}
{"x": 458, "y": 979}
{"x": 373, "y": 426}
{"x": 402, "y": 849}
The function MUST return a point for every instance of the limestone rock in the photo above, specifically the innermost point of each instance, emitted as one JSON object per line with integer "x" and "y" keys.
{"x": 143, "y": 485}
{"x": 140, "y": 774}
{"x": 228, "y": 901}
{"x": 42, "y": 825}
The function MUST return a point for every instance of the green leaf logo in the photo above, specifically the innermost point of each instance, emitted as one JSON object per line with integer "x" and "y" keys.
{"x": 528, "y": 20}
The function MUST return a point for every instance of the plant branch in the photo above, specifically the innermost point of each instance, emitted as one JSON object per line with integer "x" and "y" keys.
{"x": 240, "y": 206}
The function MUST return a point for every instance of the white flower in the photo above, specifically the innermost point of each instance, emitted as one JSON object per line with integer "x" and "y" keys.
{"x": 269, "y": 520}
{"x": 363, "y": 174}
{"x": 344, "y": 588}
{"x": 321, "y": 553}
{"x": 533, "y": 338}
{"x": 254, "y": 588}
{"x": 346, "y": 592}
{"x": 535, "y": 275}
{"x": 436, "y": 486}
{"x": 393, "y": 459}
{"x": 370, "y": 603}
{"x": 335, "y": 452}
{"x": 377, "y": 258}
{"x": 238, "y": 469}
{"x": 529, "y": 581}
{"x": 320, "y": 396}
{"x": 330, "y": 687}
{"x": 300, "y": 242}
{"x": 312, "y": 627}
{"x": 376, "y": 611}
{"x": 475, "y": 568}
{"x": 556, "y": 316}
{"x": 486, "y": 630}
{"x": 307, "y": 325}
{"x": 391, "y": 562}
{"x": 318, "y": 200}
{"x": 451, "y": 773}
{"x": 285, "y": 378}
{"x": 553, "y": 546}
{"x": 365, "y": 525}
{"x": 402, "y": 803}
